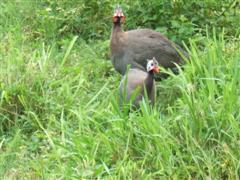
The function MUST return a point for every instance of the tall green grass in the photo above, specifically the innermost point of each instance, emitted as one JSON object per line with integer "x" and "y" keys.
{"x": 60, "y": 117}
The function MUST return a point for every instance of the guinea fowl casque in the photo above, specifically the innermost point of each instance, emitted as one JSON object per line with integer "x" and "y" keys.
{"x": 136, "y": 80}
{"x": 135, "y": 46}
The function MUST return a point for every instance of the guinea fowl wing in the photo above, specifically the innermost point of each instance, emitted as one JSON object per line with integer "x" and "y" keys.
{"x": 143, "y": 44}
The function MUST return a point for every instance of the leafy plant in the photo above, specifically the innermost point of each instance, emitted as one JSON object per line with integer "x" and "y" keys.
{"x": 179, "y": 20}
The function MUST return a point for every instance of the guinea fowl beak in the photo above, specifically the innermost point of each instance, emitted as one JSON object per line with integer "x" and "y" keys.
{"x": 156, "y": 69}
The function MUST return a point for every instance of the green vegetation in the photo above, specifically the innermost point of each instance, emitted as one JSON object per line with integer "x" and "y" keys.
{"x": 59, "y": 114}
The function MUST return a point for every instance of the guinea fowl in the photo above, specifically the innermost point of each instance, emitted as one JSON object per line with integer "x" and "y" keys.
{"x": 135, "y": 46}
{"x": 136, "y": 80}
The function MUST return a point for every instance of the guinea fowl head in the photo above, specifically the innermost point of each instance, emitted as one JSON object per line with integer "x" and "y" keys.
{"x": 152, "y": 65}
{"x": 118, "y": 16}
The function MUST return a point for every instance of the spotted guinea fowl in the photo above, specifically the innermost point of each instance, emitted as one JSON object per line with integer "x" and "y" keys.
{"x": 135, "y": 46}
{"x": 136, "y": 80}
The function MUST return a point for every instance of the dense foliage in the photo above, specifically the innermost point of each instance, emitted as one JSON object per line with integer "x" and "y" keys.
{"x": 59, "y": 113}
{"x": 179, "y": 20}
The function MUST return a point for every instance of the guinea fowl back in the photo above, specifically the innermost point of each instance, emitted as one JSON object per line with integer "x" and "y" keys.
{"x": 134, "y": 83}
{"x": 146, "y": 43}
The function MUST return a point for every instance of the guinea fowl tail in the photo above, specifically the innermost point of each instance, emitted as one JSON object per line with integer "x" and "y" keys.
{"x": 183, "y": 56}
